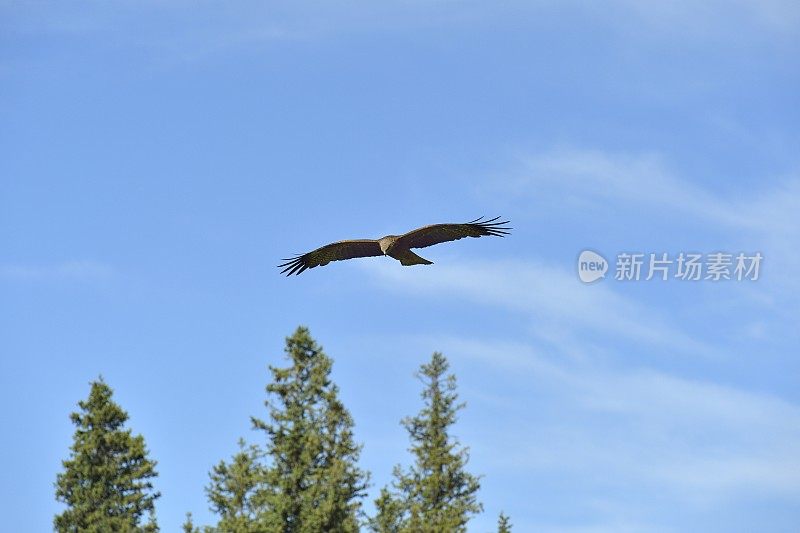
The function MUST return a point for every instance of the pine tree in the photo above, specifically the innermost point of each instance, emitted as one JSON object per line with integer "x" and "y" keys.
{"x": 313, "y": 482}
{"x": 234, "y": 488}
{"x": 436, "y": 493}
{"x": 106, "y": 483}
{"x": 503, "y": 524}
{"x": 306, "y": 478}
{"x": 188, "y": 525}
{"x": 389, "y": 516}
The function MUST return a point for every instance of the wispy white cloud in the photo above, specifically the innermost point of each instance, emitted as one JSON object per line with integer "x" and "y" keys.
{"x": 550, "y": 295}
{"x": 644, "y": 183}
{"x": 678, "y": 14}
{"x": 700, "y": 441}
{"x": 645, "y": 179}
{"x": 706, "y": 16}
{"x": 595, "y": 176}
{"x": 190, "y": 30}
{"x": 76, "y": 270}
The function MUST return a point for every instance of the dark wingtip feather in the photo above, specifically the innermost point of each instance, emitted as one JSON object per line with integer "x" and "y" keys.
{"x": 493, "y": 227}
{"x": 292, "y": 265}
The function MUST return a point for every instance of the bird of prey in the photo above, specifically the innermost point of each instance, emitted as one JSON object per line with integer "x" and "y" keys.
{"x": 395, "y": 246}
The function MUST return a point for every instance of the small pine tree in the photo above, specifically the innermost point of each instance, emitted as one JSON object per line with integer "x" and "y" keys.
{"x": 503, "y": 524}
{"x": 389, "y": 515}
{"x": 188, "y": 525}
{"x": 234, "y": 488}
{"x": 313, "y": 482}
{"x": 106, "y": 482}
{"x": 436, "y": 493}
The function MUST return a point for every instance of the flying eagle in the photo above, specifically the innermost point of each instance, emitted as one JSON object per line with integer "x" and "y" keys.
{"x": 395, "y": 246}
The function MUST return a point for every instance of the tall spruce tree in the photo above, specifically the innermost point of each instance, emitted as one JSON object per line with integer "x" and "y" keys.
{"x": 312, "y": 482}
{"x": 106, "y": 482}
{"x": 305, "y": 479}
{"x": 436, "y": 493}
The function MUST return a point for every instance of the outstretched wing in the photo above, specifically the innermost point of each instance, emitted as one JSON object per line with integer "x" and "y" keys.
{"x": 336, "y": 251}
{"x": 438, "y": 233}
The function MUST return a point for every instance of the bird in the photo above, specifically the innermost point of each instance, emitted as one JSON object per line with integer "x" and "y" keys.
{"x": 395, "y": 246}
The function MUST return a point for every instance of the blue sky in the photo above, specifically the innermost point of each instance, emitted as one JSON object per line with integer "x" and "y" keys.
{"x": 159, "y": 158}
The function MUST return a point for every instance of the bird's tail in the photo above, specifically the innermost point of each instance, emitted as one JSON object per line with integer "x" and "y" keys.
{"x": 408, "y": 258}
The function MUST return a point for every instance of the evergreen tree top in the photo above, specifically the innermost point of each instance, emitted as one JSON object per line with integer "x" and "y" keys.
{"x": 503, "y": 524}
{"x": 106, "y": 481}
{"x": 99, "y": 410}
{"x": 436, "y": 493}
{"x": 305, "y": 478}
